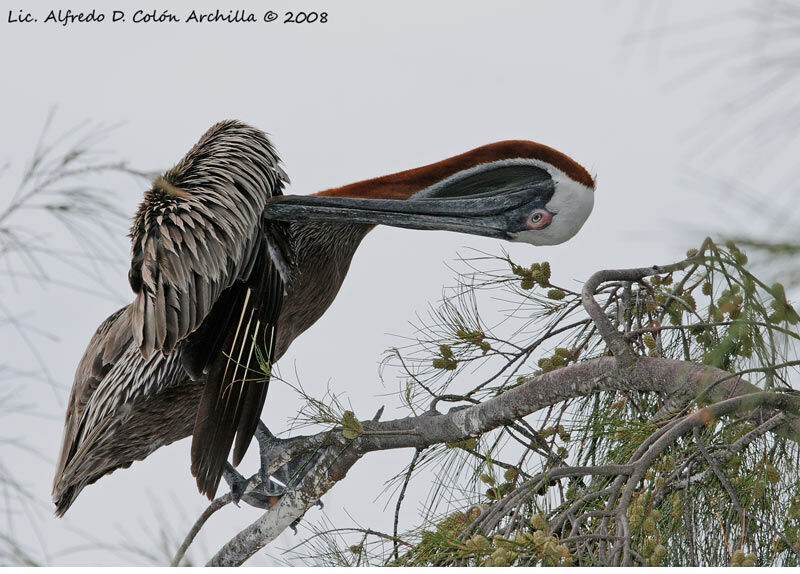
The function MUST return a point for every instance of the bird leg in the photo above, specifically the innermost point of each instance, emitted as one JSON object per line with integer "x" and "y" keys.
{"x": 251, "y": 491}
{"x": 265, "y": 492}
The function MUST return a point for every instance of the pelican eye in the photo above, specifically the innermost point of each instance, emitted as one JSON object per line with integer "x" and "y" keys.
{"x": 539, "y": 219}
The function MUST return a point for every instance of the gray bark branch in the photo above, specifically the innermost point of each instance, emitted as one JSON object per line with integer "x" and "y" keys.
{"x": 647, "y": 374}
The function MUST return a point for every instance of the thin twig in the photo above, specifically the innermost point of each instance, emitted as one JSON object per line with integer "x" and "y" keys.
{"x": 400, "y": 500}
{"x": 215, "y": 505}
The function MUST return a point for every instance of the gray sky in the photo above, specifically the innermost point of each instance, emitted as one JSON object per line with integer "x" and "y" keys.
{"x": 383, "y": 86}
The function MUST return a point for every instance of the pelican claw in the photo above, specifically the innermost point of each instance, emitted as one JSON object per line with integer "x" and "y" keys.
{"x": 269, "y": 488}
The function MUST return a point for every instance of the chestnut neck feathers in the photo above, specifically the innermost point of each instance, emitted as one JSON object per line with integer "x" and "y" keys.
{"x": 404, "y": 184}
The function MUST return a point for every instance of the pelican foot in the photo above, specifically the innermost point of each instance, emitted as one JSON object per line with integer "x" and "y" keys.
{"x": 251, "y": 491}
{"x": 265, "y": 492}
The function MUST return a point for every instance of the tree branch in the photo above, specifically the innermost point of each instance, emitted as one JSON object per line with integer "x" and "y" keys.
{"x": 400, "y": 498}
{"x": 215, "y": 505}
{"x": 647, "y": 374}
{"x": 612, "y": 337}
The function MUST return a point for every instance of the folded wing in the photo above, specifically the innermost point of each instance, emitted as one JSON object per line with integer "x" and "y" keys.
{"x": 208, "y": 277}
{"x": 197, "y": 232}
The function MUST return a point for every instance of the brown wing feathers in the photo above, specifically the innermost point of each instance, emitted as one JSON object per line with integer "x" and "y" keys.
{"x": 204, "y": 279}
{"x": 237, "y": 385}
{"x": 196, "y": 231}
{"x": 264, "y": 339}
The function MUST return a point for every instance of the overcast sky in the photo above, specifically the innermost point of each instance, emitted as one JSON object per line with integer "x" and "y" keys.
{"x": 639, "y": 93}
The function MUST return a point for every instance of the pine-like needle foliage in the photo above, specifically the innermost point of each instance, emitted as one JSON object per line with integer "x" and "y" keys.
{"x": 613, "y": 477}
{"x": 58, "y": 222}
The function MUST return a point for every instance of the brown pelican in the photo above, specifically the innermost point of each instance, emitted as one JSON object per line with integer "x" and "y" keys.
{"x": 227, "y": 271}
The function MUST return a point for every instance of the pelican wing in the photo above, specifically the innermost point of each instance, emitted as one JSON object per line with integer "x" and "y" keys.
{"x": 209, "y": 274}
{"x": 198, "y": 232}
{"x": 238, "y": 341}
{"x": 105, "y": 348}
{"x": 119, "y": 408}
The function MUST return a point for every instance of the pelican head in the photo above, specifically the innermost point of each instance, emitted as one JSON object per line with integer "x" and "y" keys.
{"x": 516, "y": 190}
